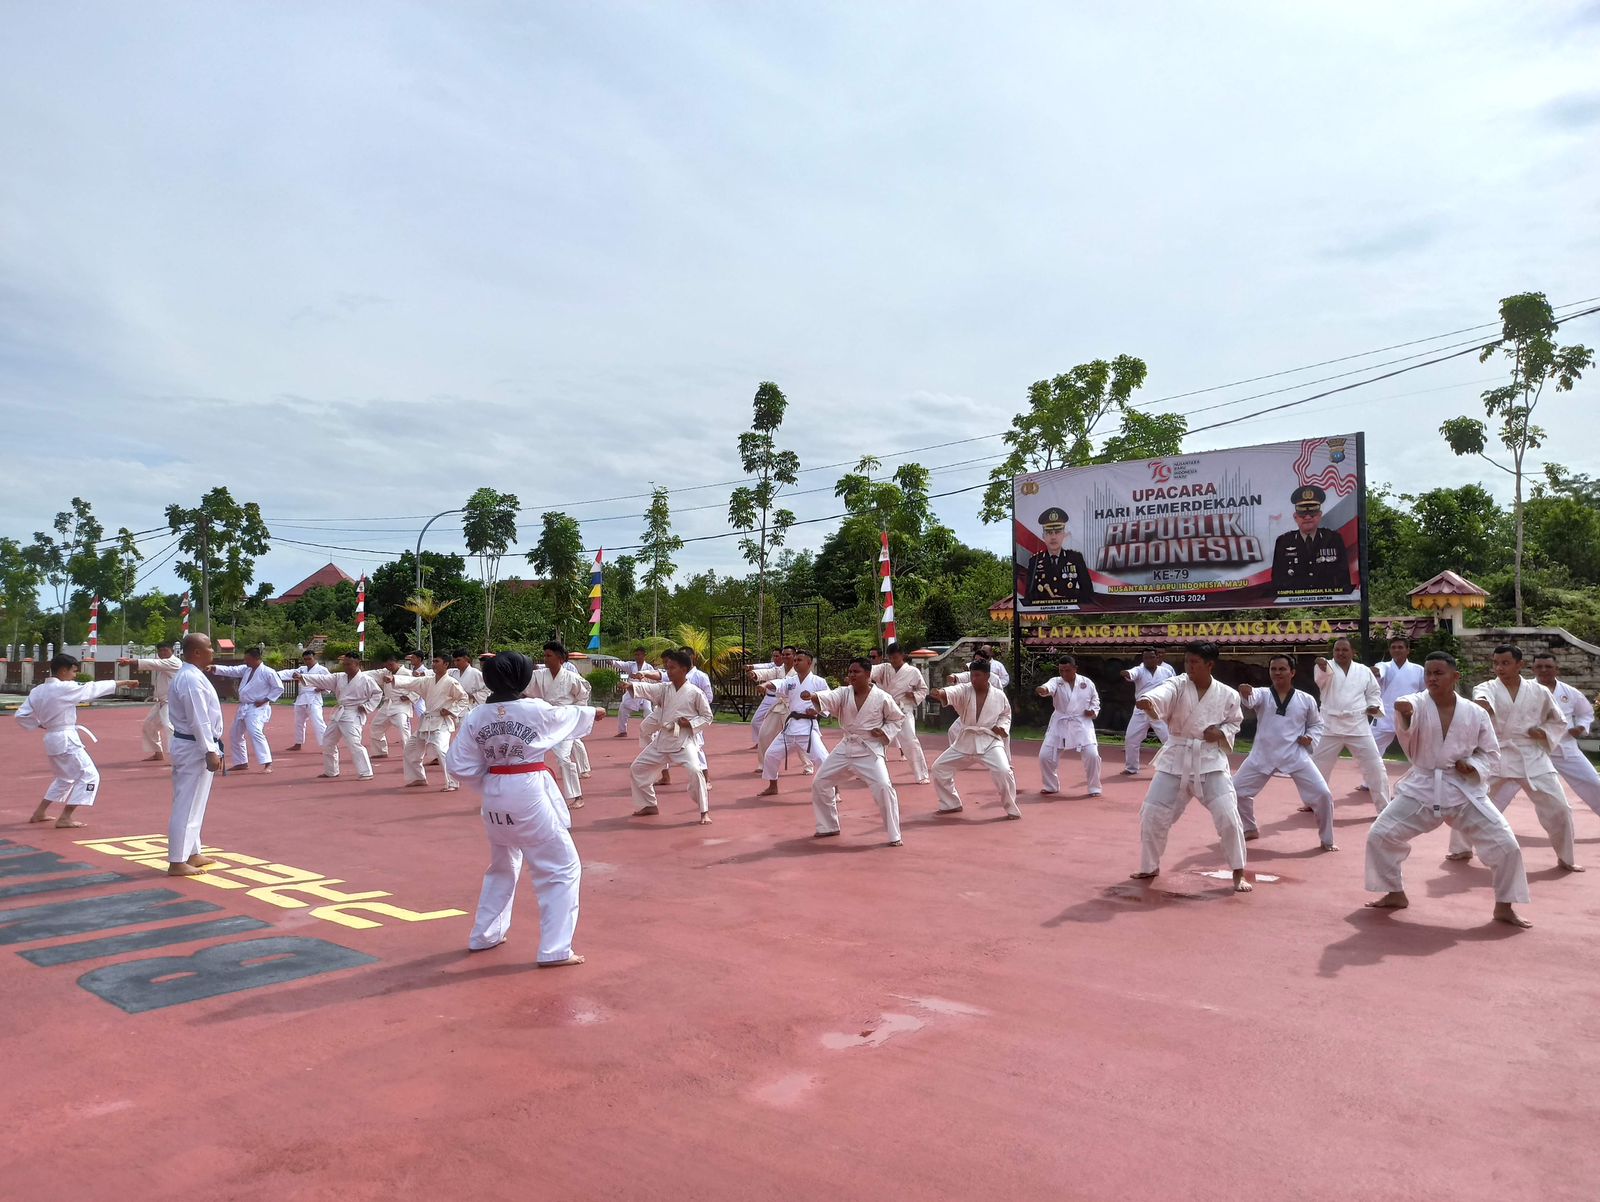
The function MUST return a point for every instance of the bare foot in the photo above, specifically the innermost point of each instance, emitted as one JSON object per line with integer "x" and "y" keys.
{"x": 825, "y": 834}
{"x": 770, "y": 791}
{"x": 647, "y": 811}
{"x": 267, "y": 768}
{"x": 65, "y": 824}
{"x": 1013, "y": 817}
{"x": 199, "y": 861}
{"x": 585, "y": 775}
{"x": 416, "y": 784}
{"x": 1458, "y": 855}
{"x": 576, "y": 803}
{"x": 956, "y": 810}
{"x": 238, "y": 767}
{"x": 326, "y": 776}
{"x": 569, "y": 962}
{"x": 1561, "y": 864}
{"x": 705, "y": 819}
{"x": 1391, "y": 901}
{"x": 666, "y": 779}
{"x": 896, "y": 843}
{"x": 1144, "y": 876}
{"x": 1251, "y": 836}
{"x": 181, "y": 870}
{"x": 1047, "y": 792}
{"x": 1240, "y": 885}
{"x": 486, "y": 948}
{"x": 1504, "y": 913}
{"x": 1303, "y": 810}
{"x": 292, "y": 747}
{"x": 40, "y": 816}
{"x": 1330, "y": 847}
{"x": 150, "y": 759}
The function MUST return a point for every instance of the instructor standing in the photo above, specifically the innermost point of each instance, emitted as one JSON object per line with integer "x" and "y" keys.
{"x": 196, "y": 717}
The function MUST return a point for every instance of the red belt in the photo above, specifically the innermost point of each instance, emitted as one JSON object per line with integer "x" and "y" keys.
{"x": 517, "y": 769}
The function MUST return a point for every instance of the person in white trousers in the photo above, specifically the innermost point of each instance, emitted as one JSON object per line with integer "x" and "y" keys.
{"x": 1453, "y": 752}
{"x": 681, "y": 712}
{"x": 417, "y": 665}
{"x": 394, "y": 713}
{"x": 1288, "y": 724}
{"x": 1399, "y": 677}
{"x": 642, "y": 671}
{"x": 307, "y": 702}
{"x": 1351, "y": 699}
{"x": 774, "y": 669}
{"x": 800, "y": 731}
{"x": 556, "y": 681}
{"x": 1203, "y": 717}
{"x": 984, "y": 714}
{"x": 259, "y": 687}
{"x": 501, "y": 749}
{"x": 1528, "y": 724}
{"x": 440, "y": 695}
{"x": 358, "y": 695}
{"x": 907, "y": 688}
{"x": 157, "y": 729}
{"x": 1144, "y": 676}
{"x": 52, "y": 707}
{"x": 868, "y": 722}
{"x": 196, "y": 755}
{"x": 1570, "y": 762}
{"x": 1076, "y": 704}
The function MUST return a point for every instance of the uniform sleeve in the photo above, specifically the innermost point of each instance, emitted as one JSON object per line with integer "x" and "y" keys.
{"x": 1162, "y": 696}
{"x": 413, "y": 684}
{"x": 1374, "y": 693}
{"x": 1482, "y": 692}
{"x": 919, "y": 691}
{"x": 1256, "y": 703}
{"x": 274, "y": 686}
{"x": 701, "y": 717}
{"x": 1552, "y": 721}
{"x": 1094, "y": 698}
{"x": 1582, "y": 711}
{"x": 1405, "y": 729}
{"x": 1485, "y": 757}
{"x": 1323, "y": 677}
{"x": 465, "y": 757}
{"x": 831, "y": 701}
{"x": 893, "y": 718}
{"x": 1313, "y": 718}
{"x": 24, "y": 716}
{"x": 1232, "y": 717}
{"x": 1004, "y": 721}
{"x": 228, "y": 671}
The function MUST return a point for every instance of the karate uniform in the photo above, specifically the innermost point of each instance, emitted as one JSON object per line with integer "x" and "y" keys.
{"x": 1394, "y": 682}
{"x": 907, "y": 688}
{"x": 439, "y": 696}
{"x": 566, "y": 687}
{"x": 1525, "y": 763}
{"x": 799, "y": 733}
{"x": 394, "y": 712}
{"x": 977, "y": 741}
{"x": 1433, "y": 792}
{"x": 52, "y": 707}
{"x": 776, "y": 715}
{"x": 1346, "y": 697}
{"x": 631, "y": 704}
{"x": 472, "y": 681}
{"x": 157, "y": 729}
{"x": 1280, "y": 725}
{"x": 763, "y": 673}
{"x": 358, "y": 696}
{"x": 669, "y": 744}
{"x": 1071, "y": 729}
{"x": 1188, "y": 766}
{"x": 196, "y": 732}
{"x": 859, "y": 754}
{"x": 307, "y": 706}
{"x": 1140, "y": 725}
{"x": 250, "y": 719}
{"x": 502, "y": 747}
{"x": 1567, "y": 757}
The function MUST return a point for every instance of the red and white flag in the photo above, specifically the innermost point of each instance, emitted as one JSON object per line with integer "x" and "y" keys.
{"x": 361, "y": 617}
{"x": 886, "y": 571}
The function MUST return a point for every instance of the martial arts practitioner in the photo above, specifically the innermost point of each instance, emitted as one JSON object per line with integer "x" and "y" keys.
{"x": 800, "y": 730}
{"x": 196, "y": 755}
{"x": 358, "y": 695}
{"x": 394, "y": 712}
{"x": 777, "y": 716}
{"x": 1528, "y": 724}
{"x": 157, "y": 729}
{"x": 417, "y": 665}
{"x": 1397, "y": 678}
{"x": 1453, "y": 752}
{"x": 259, "y": 687}
{"x": 501, "y": 747}
{"x": 470, "y": 676}
{"x": 557, "y": 682}
{"x": 307, "y": 701}
{"x": 907, "y": 688}
{"x": 1351, "y": 698}
{"x": 1288, "y": 725}
{"x": 440, "y": 695}
{"x": 642, "y": 671}
{"x": 1203, "y": 718}
{"x": 1076, "y": 704}
{"x": 1144, "y": 676}
{"x": 775, "y": 669}
{"x": 985, "y": 717}
{"x": 997, "y": 677}
{"x": 681, "y": 713}
{"x": 1570, "y": 762}
{"x": 52, "y": 707}
{"x": 868, "y": 722}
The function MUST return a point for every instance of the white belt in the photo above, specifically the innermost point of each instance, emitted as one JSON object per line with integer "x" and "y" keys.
{"x": 1189, "y": 776}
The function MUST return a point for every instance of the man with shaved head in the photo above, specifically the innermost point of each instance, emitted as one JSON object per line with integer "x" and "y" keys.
{"x": 196, "y": 717}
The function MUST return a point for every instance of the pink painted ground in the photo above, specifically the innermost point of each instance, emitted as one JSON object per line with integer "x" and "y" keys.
{"x": 991, "y": 1011}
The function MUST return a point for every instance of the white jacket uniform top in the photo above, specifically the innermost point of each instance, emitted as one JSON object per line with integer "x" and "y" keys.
{"x": 507, "y": 734}
{"x": 1398, "y": 680}
{"x": 161, "y": 673}
{"x": 1520, "y": 755}
{"x": 1575, "y": 708}
{"x": 194, "y": 709}
{"x": 472, "y": 681}
{"x": 566, "y": 687}
{"x": 1346, "y": 697}
{"x": 672, "y": 705}
{"x": 907, "y": 686}
{"x": 977, "y": 733}
{"x": 1433, "y": 780}
{"x": 306, "y": 693}
{"x": 260, "y": 683}
{"x": 53, "y": 708}
{"x": 1280, "y": 725}
{"x": 1144, "y": 679}
{"x": 440, "y": 695}
{"x": 1187, "y": 714}
{"x": 396, "y": 700}
{"x": 356, "y": 694}
{"x": 701, "y": 681}
{"x": 645, "y": 673}
{"x": 856, "y": 723}
{"x": 790, "y": 688}
{"x": 1070, "y": 726}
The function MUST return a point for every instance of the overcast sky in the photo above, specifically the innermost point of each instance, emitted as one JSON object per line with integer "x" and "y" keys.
{"x": 356, "y": 260}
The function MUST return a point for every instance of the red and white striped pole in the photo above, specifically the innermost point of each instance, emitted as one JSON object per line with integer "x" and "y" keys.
{"x": 885, "y": 570}
{"x": 361, "y": 618}
{"x": 185, "y": 613}
{"x": 94, "y": 626}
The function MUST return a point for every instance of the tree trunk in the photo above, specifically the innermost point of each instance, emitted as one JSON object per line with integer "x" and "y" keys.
{"x": 1517, "y": 515}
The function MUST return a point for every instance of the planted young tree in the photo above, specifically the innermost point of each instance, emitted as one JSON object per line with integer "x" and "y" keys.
{"x": 754, "y": 509}
{"x": 68, "y": 555}
{"x": 427, "y": 607}
{"x": 656, "y": 550}
{"x": 559, "y": 557}
{"x": 222, "y": 540}
{"x": 1527, "y": 338}
{"x": 126, "y": 559}
{"x": 489, "y": 527}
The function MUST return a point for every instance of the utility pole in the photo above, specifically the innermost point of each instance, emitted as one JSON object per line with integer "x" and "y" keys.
{"x": 420, "y": 536}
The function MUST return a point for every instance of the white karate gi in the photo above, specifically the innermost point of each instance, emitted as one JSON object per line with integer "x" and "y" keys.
{"x": 1567, "y": 757}
{"x": 1433, "y": 792}
{"x": 859, "y": 753}
{"x": 157, "y": 729}
{"x": 630, "y": 704}
{"x": 772, "y": 725}
{"x": 763, "y": 673}
{"x": 669, "y": 744}
{"x": 394, "y": 712}
{"x": 52, "y": 707}
{"x": 977, "y": 741}
{"x": 907, "y": 688}
{"x": 1139, "y": 724}
{"x": 439, "y": 697}
{"x": 1189, "y": 766}
{"x": 196, "y": 730}
{"x": 798, "y": 733}
{"x": 566, "y": 687}
{"x": 1071, "y": 729}
{"x": 1525, "y": 762}
{"x": 472, "y": 681}
{"x": 358, "y": 696}
{"x": 1346, "y": 697}
{"x": 307, "y": 706}
{"x": 1394, "y": 682}
{"x": 1280, "y": 725}
{"x": 250, "y": 718}
{"x": 523, "y": 816}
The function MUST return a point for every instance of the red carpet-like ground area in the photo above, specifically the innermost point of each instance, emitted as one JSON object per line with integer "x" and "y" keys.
{"x": 991, "y": 1011}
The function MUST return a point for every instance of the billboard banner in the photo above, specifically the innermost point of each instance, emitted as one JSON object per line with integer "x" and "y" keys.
{"x": 1252, "y": 527}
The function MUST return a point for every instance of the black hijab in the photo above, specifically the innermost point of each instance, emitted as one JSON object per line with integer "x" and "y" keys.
{"x": 507, "y": 675}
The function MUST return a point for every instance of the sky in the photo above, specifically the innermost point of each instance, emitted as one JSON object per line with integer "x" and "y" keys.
{"x": 355, "y": 260}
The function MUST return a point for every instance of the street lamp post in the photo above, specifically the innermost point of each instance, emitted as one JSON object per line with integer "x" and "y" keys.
{"x": 420, "y": 535}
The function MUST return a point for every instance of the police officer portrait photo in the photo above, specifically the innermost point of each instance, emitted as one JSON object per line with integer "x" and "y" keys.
{"x": 1310, "y": 560}
{"x": 1057, "y": 575}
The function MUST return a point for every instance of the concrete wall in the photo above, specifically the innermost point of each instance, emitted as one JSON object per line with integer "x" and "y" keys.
{"x": 1579, "y": 661}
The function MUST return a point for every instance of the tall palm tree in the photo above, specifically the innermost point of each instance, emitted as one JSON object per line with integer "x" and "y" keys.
{"x": 428, "y": 609}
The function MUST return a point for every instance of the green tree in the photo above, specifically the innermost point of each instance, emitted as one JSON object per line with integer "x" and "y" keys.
{"x": 20, "y": 578}
{"x": 1527, "y": 338}
{"x": 1063, "y": 418}
{"x": 391, "y": 585}
{"x": 559, "y": 557}
{"x": 754, "y": 510}
{"x": 221, "y": 539}
{"x": 126, "y": 558}
{"x": 656, "y": 550}
{"x": 429, "y": 609}
{"x": 621, "y": 590}
{"x": 489, "y": 527}
{"x": 157, "y": 627}
{"x": 71, "y": 554}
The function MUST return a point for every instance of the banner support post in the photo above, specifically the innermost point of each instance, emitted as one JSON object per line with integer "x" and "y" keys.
{"x": 1016, "y": 607}
{"x": 1361, "y": 546}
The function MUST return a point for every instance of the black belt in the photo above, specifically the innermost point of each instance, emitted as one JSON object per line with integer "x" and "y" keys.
{"x": 178, "y": 734}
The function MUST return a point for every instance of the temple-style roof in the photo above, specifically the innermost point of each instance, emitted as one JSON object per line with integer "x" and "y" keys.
{"x": 1447, "y": 591}
{"x": 326, "y": 576}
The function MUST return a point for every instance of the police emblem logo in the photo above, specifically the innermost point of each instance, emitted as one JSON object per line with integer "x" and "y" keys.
{"x": 1030, "y": 488}
{"x": 500, "y": 711}
{"x": 1336, "y": 450}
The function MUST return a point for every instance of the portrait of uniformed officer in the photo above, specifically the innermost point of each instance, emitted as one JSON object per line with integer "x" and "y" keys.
{"x": 1310, "y": 559}
{"x": 1056, "y": 575}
